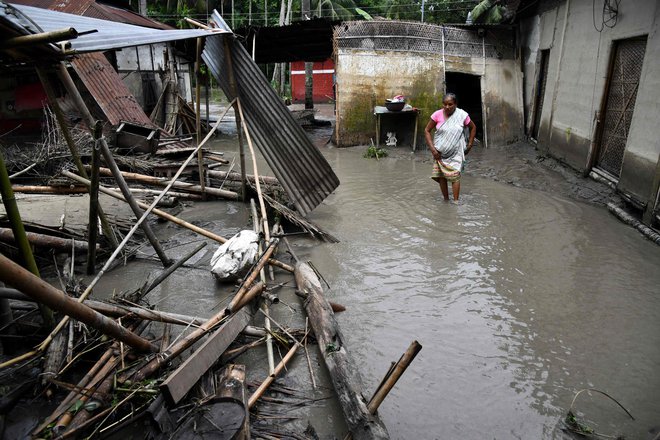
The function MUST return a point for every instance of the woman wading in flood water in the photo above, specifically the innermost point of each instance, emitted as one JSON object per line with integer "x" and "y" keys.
{"x": 448, "y": 146}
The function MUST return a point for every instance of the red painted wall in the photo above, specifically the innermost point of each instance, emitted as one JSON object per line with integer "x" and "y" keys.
{"x": 323, "y": 79}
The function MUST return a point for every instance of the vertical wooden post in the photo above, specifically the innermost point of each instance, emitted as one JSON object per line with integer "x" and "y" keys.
{"x": 198, "y": 123}
{"x": 19, "y": 235}
{"x": 92, "y": 229}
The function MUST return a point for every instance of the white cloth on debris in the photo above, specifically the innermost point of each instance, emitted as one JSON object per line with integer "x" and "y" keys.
{"x": 236, "y": 256}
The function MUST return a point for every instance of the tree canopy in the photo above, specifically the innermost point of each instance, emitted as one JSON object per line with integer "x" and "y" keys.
{"x": 267, "y": 12}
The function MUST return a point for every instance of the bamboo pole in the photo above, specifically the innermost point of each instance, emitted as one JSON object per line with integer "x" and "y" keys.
{"x": 173, "y": 219}
{"x": 167, "y": 272}
{"x": 159, "y": 181}
{"x": 44, "y": 240}
{"x": 271, "y": 377}
{"x": 110, "y": 161}
{"x": 75, "y": 155}
{"x": 94, "y": 202}
{"x": 18, "y": 231}
{"x": 43, "y": 189}
{"x": 264, "y": 306}
{"x": 35, "y": 287}
{"x": 187, "y": 341}
{"x": 80, "y": 388}
{"x": 119, "y": 310}
{"x": 393, "y": 376}
{"x": 40, "y": 38}
{"x": 262, "y": 205}
{"x": 270, "y": 180}
{"x": 65, "y": 420}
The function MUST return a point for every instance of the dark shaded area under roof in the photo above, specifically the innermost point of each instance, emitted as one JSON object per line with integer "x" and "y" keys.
{"x": 309, "y": 40}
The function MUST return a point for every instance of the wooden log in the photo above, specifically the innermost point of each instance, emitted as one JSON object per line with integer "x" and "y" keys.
{"x": 177, "y": 384}
{"x": 236, "y": 177}
{"x": 361, "y": 423}
{"x": 158, "y": 181}
{"x": 14, "y": 275}
{"x": 47, "y": 241}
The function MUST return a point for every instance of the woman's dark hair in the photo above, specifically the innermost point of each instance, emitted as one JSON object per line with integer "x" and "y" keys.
{"x": 450, "y": 96}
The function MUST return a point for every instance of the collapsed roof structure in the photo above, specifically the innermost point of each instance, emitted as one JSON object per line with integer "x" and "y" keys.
{"x": 44, "y": 36}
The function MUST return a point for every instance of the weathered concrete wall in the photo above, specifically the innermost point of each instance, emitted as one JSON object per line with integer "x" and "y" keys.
{"x": 575, "y": 90}
{"x": 367, "y": 78}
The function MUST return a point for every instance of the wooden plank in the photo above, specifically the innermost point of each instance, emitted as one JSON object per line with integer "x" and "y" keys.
{"x": 177, "y": 385}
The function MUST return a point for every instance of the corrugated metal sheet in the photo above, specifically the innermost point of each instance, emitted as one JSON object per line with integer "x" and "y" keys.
{"x": 90, "y": 8}
{"x": 301, "y": 168}
{"x": 109, "y": 35}
{"x": 108, "y": 90}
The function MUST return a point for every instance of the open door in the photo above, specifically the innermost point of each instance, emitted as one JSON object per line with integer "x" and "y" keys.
{"x": 468, "y": 91}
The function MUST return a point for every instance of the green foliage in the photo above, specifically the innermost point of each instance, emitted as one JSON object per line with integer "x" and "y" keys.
{"x": 376, "y": 152}
{"x": 334, "y": 9}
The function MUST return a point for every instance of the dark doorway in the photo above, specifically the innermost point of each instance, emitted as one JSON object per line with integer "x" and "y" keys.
{"x": 540, "y": 93}
{"x": 468, "y": 91}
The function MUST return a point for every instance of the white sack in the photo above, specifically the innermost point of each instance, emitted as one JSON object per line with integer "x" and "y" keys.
{"x": 236, "y": 256}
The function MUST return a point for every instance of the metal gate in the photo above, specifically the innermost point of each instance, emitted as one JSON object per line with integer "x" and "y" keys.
{"x": 621, "y": 95}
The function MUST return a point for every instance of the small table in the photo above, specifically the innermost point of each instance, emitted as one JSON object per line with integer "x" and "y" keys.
{"x": 379, "y": 111}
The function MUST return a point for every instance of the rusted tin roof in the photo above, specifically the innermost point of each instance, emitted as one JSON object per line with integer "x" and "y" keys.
{"x": 108, "y": 90}
{"x": 108, "y": 35}
{"x": 301, "y": 168}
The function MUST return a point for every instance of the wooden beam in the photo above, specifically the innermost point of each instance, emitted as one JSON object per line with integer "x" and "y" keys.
{"x": 177, "y": 385}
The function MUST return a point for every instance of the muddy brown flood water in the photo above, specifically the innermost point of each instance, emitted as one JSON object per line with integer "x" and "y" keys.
{"x": 520, "y": 297}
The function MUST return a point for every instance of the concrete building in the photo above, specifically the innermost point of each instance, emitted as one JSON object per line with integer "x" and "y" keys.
{"x": 592, "y": 91}
{"x": 376, "y": 60}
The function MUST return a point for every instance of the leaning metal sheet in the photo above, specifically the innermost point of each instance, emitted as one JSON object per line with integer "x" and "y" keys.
{"x": 301, "y": 168}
